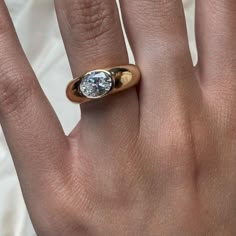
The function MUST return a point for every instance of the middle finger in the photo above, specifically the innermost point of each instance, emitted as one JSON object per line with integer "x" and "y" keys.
{"x": 158, "y": 36}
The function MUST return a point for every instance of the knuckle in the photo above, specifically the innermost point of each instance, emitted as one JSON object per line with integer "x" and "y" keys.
{"x": 175, "y": 51}
{"x": 15, "y": 89}
{"x": 90, "y": 19}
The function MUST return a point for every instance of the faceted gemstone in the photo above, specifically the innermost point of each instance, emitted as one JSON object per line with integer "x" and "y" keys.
{"x": 96, "y": 84}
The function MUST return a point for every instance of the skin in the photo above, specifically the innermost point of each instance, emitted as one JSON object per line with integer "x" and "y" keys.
{"x": 157, "y": 161}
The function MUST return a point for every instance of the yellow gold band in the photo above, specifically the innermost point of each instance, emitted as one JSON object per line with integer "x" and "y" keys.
{"x": 100, "y": 83}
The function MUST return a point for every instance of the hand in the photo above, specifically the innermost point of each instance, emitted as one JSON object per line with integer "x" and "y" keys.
{"x": 160, "y": 161}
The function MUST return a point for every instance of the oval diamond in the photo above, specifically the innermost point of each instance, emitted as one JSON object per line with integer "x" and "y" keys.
{"x": 96, "y": 84}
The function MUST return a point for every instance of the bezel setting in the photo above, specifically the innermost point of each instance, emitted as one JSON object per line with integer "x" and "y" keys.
{"x": 95, "y": 84}
{"x": 102, "y": 82}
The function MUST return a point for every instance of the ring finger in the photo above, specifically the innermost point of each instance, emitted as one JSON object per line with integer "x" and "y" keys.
{"x": 93, "y": 39}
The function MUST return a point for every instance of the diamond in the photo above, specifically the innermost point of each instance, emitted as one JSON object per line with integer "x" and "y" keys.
{"x": 96, "y": 84}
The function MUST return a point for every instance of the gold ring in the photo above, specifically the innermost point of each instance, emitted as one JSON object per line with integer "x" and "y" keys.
{"x": 100, "y": 83}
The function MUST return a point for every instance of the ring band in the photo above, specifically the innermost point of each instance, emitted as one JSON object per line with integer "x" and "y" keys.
{"x": 100, "y": 83}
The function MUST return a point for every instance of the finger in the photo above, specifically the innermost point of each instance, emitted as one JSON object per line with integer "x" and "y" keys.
{"x": 216, "y": 40}
{"x": 157, "y": 33}
{"x": 34, "y": 135}
{"x": 93, "y": 39}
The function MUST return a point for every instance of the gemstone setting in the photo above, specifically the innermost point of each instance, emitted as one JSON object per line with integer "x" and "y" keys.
{"x": 96, "y": 84}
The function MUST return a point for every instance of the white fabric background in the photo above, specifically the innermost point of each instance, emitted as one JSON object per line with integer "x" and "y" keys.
{"x": 37, "y": 28}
